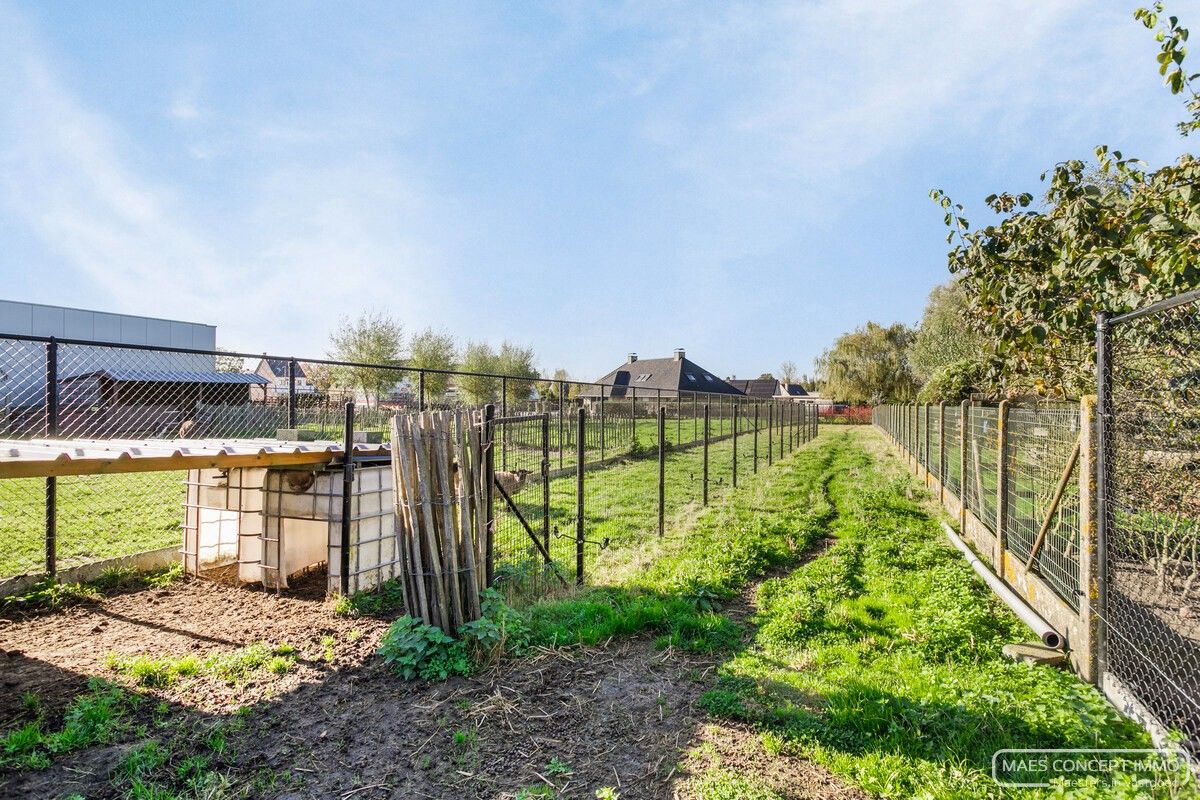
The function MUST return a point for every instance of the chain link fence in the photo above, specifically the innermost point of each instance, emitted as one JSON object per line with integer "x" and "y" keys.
{"x": 102, "y": 395}
{"x": 1116, "y": 547}
{"x": 1150, "y": 496}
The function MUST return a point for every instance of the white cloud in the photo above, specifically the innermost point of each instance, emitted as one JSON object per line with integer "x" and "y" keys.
{"x": 274, "y": 267}
{"x": 184, "y": 109}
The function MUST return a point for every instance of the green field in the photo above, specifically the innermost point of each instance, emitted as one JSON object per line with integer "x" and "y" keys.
{"x": 620, "y": 506}
{"x": 99, "y": 517}
{"x": 115, "y": 515}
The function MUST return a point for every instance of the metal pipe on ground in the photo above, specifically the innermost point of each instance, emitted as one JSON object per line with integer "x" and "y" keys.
{"x": 1050, "y": 637}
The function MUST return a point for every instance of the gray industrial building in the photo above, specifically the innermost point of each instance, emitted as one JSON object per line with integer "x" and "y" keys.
{"x": 97, "y": 383}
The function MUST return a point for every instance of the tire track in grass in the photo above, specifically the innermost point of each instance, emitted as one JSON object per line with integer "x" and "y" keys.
{"x": 880, "y": 658}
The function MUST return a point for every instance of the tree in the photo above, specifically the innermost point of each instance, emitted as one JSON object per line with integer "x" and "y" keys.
{"x": 432, "y": 349}
{"x": 321, "y": 376}
{"x": 788, "y": 372}
{"x": 518, "y": 364}
{"x": 945, "y": 335}
{"x": 478, "y": 390}
{"x": 555, "y": 381}
{"x": 869, "y": 365}
{"x": 373, "y": 338}
{"x": 1110, "y": 237}
{"x": 229, "y": 363}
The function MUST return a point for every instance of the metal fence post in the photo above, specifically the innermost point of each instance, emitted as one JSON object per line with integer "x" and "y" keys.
{"x": 782, "y": 430}
{"x": 755, "y": 468}
{"x": 579, "y": 465}
{"x": 489, "y": 466}
{"x": 706, "y": 454}
{"x": 662, "y": 469}
{"x": 964, "y": 421}
{"x": 504, "y": 429}
{"x": 602, "y": 426}
{"x": 1089, "y": 575}
{"x": 770, "y": 433}
{"x": 1104, "y": 412}
{"x": 51, "y": 400}
{"x": 347, "y": 495}
{"x": 421, "y": 390}
{"x": 562, "y": 427}
{"x": 546, "y": 480}
{"x": 942, "y": 452}
{"x": 291, "y": 398}
{"x": 1001, "y": 485}
{"x": 735, "y": 435}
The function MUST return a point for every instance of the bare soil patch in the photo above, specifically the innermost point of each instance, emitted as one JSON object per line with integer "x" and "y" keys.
{"x": 738, "y": 749}
{"x": 620, "y": 715}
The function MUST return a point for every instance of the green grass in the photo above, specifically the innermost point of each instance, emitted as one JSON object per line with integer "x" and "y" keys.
{"x": 98, "y": 716}
{"x": 881, "y": 658}
{"x": 98, "y": 517}
{"x": 723, "y": 784}
{"x": 233, "y": 667}
{"x": 769, "y": 522}
{"x": 49, "y": 595}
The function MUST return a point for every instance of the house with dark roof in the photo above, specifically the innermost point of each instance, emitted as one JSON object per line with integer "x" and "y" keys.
{"x": 768, "y": 388}
{"x": 275, "y": 370}
{"x": 763, "y": 388}
{"x": 658, "y": 377}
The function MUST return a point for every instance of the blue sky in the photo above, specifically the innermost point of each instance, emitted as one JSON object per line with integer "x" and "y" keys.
{"x": 743, "y": 180}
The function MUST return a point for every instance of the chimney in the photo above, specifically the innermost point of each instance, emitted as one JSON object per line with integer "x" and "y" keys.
{"x": 679, "y": 354}
{"x": 632, "y": 358}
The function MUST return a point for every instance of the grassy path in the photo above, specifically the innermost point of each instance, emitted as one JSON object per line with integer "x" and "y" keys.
{"x": 879, "y": 658}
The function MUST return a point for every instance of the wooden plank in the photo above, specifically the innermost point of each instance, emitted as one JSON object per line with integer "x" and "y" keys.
{"x": 429, "y": 526}
{"x": 403, "y": 443}
{"x": 119, "y": 465}
{"x": 440, "y": 434}
{"x": 401, "y": 523}
{"x": 481, "y": 513}
{"x": 466, "y": 520}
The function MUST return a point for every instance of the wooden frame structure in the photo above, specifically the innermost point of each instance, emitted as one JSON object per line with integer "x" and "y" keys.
{"x": 48, "y": 458}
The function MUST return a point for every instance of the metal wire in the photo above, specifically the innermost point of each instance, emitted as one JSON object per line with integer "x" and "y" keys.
{"x": 952, "y": 478}
{"x": 1040, "y": 447}
{"x": 77, "y": 390}
{"x": 1152, "y": 547}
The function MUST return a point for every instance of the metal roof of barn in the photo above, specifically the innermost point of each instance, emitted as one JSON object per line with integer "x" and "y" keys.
{"x": 32, "y": 458}
{"x": 170, "y": 376}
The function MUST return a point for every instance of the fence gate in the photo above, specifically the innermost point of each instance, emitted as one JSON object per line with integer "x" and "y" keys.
{"x": 1149, "y": 493}
{"x": 519, "y": 546}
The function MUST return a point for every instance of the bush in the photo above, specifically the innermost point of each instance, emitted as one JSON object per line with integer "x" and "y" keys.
{"x": 952, "y": 383}
{"x": 500, "y": 630}
{"x": 416, "y": 650}
{"x": 852, "y": 415}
